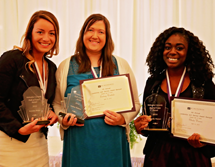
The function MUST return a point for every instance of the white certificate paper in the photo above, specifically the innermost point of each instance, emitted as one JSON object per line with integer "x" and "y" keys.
{"x": 109, "y": 93}
{"x": 193, "y": 116}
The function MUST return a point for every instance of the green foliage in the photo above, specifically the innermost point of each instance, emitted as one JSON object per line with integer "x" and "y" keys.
{"x": 134, "y": 136}
{"x": 58, "y": 125}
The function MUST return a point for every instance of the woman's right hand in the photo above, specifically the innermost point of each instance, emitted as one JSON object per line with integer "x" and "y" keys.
{"x": 30, "y": 128}
{"x": 70, "y": 120}
{"x": 141, "y": 122}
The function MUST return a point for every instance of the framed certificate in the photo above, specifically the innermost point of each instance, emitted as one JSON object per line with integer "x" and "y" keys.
{"x": 193, "y": 116}
{"x": 108, "y": 93}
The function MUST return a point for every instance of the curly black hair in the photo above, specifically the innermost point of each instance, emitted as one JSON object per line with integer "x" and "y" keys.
{"x": 198, "y": 62}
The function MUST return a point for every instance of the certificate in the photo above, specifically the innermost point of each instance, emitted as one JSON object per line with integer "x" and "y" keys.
{"x": 193, "y": 116}
{"x": 109, "y": 93}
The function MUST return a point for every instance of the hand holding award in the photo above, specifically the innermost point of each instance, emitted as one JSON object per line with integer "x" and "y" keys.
{"x": 73, "y": 104}
{"x": 34, "y": 106}
{"x": 155, "y": 105}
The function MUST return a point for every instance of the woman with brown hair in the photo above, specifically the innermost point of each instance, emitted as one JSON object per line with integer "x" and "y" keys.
{"x": 99, "y": 141}
{"x": 20, "y": 144}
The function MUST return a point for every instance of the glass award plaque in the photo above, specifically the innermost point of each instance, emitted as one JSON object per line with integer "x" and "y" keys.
{"x": 73, "y": 104}
{"x": 34, "y": 106}
{"x": 155, "y": 105}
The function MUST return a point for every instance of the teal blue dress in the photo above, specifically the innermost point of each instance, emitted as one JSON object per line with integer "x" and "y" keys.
{"x": 97, "y": 144}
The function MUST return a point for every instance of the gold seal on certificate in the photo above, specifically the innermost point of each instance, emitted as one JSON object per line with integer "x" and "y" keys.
{"x": 155, "y": 105}
{"x": 73, "y": 104}
{"x": 108, "y": 93}
{"x": 34, "y": 106}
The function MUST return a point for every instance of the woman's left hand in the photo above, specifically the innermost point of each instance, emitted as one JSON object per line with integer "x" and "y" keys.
{"x": 113, "y": 118}
{"x": 52, "y": 118}
{"x": 194, "y": 141}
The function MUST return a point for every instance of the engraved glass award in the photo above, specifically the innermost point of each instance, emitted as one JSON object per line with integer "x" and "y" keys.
{"x": 73, "y": 104}
{"x": 34, "y": 106}
{"x": 155, "y": 105}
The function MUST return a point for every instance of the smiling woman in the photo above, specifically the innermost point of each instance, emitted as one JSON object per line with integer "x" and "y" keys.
{"x": 95, "y": 39}
{"x": 43, "y": 37}
{"x": 179, "y": 65}
{"x": 20, "y": 69}
{"x": 96, "y": 141}
{"x": 175, "y": 51}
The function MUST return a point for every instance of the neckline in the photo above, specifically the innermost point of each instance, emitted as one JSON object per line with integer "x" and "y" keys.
{"x": 181, "y": 91}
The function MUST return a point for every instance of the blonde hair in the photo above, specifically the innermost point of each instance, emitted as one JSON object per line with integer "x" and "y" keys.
{"x": 26, "y": 38}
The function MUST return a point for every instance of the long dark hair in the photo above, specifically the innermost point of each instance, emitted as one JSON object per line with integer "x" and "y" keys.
{"x": 198, "y": 61}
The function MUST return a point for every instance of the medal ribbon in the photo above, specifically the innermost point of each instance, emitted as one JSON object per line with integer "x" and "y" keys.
{"x": 94, "y": 72}
{"x": 42, "y": 82}
{"x": 178, "y": 91}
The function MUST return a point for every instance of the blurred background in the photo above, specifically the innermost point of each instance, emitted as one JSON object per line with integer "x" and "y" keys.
{"x": 134, "y": 26}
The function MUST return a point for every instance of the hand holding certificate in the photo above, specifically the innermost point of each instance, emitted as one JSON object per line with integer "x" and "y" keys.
{"x": 193, "y": 116}
{"x": 109, "y": 93}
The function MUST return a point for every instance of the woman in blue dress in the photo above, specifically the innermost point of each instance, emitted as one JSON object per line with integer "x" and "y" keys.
{"x": 101, "y": 141}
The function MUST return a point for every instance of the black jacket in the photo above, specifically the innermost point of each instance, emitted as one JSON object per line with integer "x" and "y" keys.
{"x": 152, "y": 85}
{"x": 15, "y": 78}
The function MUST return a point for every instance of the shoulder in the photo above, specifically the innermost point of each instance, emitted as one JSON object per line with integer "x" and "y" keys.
{"x": 152, "y": 83}
{"x": 151, "y": 80}
{"x": 12, "y": 54}
{"x": 209, "y": 89}
{"x": 65, "y": 62}
{"x": 123, "y": 65}
{"x": 63, "y": 67}
{"x": 14, "y": 58}
{"x": 120, "y": 60}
